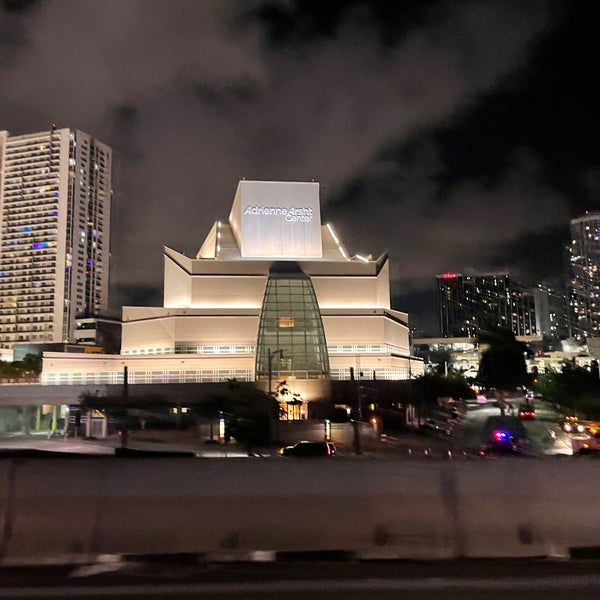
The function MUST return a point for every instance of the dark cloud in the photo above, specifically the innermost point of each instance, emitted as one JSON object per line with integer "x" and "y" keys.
{"x": 469, "y": 228}
{"x": 299, "y": 23}
{"x": 18, "y": 6}
{"x": 13, "y": 34}
{"x": 438, "y": 130}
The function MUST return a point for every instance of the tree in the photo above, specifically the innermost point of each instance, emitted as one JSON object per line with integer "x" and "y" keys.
{"x": 28, "y": 368}
{"x": 575, "y": 388}
{"x": 249, "y": 413}
{"x": 430, "y": 387}
{"x": 502, "y": 365}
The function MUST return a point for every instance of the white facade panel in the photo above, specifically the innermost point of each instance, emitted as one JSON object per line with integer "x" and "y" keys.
{"x": 157, "y": 335}
{"x": 277, "y": 220}
{"x": 148, "y": 334}
{"x": 383, "y": 286}
{"x": 347, "y": 329}
{"x": 68, "y": 368}
{"x": 346, "y": 292}
{"x": 366, "y": 329}
{"x": 215, "y": 330}
{"x": 228, "y": 292}
{"x": 178, "y": 285}
{"x": 396, "y": 335}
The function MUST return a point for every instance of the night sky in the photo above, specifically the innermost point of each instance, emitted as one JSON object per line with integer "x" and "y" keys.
{"x": 456, "y": 136}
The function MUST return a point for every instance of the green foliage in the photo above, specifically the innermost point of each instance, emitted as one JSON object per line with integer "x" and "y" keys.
{"x": 248, "y": 412}
{"x": 28, "y": 368}
{"x": 502, "y": 365}
{"x": 430, "y": 387}
{"x": 575, "y": 388}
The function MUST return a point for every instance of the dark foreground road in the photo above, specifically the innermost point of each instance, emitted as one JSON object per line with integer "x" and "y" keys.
{"x": 319, "y": 580}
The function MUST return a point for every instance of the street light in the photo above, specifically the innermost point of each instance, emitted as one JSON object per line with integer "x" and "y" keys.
{"x": 270, "y": 356}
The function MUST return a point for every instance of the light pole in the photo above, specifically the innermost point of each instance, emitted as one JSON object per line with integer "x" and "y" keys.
{"x": 270, "y": 356}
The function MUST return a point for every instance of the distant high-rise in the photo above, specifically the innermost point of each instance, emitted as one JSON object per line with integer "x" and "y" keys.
{"x": 585, "y": 275}
{"x": 551, "y": 310}
{"x": 55, "y": 200}
{"x": 469, "y": 303}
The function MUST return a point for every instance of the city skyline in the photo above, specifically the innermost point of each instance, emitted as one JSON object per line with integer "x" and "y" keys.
{"x": 455, "y": 136}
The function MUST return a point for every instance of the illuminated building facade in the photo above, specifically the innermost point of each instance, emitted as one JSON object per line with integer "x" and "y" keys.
{"x": 55, "y": 197}
{"x": 469, "y": 303}
{"x": 552, "y": 311}
{"x": 271, "y": 295}
{"x": 585, "y": 275}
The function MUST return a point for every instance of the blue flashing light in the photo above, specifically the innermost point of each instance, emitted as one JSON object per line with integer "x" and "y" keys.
{"x": 55, "y": 213}
{"x": 55, "y": 194}
{"x": 24, "y": 229}
{"x": 2, "y": 273}
{"x": 39, "y": 245}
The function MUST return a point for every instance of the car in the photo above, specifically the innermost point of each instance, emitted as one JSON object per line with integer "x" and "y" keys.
{"x": 504, "y": 430}
{"x": 505, "y": 436}
{"x": 305, "y": 449}
{"x": 526, "y": 412}
{"x": 506, "y": 449}
{"x": 572, "y": 425}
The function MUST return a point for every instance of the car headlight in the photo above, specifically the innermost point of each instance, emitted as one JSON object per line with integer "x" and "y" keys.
{"x": 567, "y": 427}
{"x": 580, "y": 428}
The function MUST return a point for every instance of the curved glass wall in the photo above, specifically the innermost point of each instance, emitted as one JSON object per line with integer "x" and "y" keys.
{"x": 291, "y": 339}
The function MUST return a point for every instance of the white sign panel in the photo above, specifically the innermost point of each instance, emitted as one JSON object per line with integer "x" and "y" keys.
{"x": 277, "y": 220}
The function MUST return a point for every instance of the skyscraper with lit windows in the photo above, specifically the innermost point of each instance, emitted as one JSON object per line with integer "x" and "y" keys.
{"x": 585, "y": 275}
{"x": 469, "y": 303}
{"x": 55, "y": 200}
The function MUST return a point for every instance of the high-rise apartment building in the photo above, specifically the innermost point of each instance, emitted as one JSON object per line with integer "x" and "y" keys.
{"x": 552, "y": 310}
{"x": 470, "y": 303}
{"x": 55, "y": 200}
{"x": 585, "y": 275}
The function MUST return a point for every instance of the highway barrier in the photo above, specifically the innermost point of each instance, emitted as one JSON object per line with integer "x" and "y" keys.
{"x": 56, "y": 510}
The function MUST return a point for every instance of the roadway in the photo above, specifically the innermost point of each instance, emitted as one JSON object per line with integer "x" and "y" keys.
{"x": 317, "y": 579}
{"x": 544, "y": 434}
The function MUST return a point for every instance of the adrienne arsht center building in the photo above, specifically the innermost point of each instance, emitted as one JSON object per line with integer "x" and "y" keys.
{"x": 271, "y": 295}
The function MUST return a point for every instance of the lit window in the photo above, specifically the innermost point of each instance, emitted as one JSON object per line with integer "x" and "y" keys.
{"x": 286, "y": 321}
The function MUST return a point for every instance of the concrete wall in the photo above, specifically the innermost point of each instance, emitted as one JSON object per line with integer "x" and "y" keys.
{"x": 60, "y": 509}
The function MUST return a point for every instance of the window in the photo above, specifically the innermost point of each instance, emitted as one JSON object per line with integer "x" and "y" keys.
{"x": 291, "y": 338}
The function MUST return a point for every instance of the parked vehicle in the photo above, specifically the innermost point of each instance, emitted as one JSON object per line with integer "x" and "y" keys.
{"x": 306, "y": 449}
